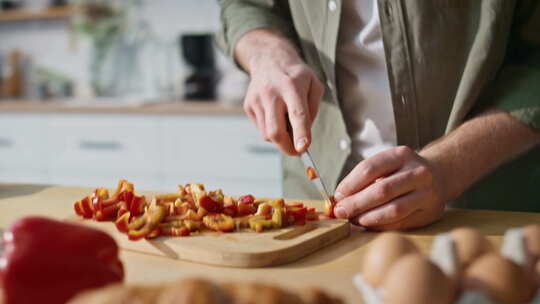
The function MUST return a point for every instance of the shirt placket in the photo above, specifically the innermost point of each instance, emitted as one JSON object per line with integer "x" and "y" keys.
{"x": 400, "y": 71}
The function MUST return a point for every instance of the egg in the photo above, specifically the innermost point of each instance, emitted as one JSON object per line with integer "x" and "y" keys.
{"x": 532, "y": 239}
{"x": 382, "y": 253}
{"x": 470, "y": 244}
{"x": 414, "y": 279}
{"x": 501, "y": 279}
{"x": 538, "y": 273}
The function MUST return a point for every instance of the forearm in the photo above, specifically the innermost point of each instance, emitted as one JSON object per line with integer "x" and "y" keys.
{"x": 476, "y": 148}
{"x": 258, "y": 46}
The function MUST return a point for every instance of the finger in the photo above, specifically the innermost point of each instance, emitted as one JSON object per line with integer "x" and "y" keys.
{"x": 248, "y": 110}
{"x": 260, "y": 120}
{"x": 381, "y": 192}
{"x": 298, "y": 111}
{"x": 315, "y": 95}
{"x": 414, "y": 220}
{"x": 394, "y": 211}
{"x": 370, "y": 169}
{"x": 276, "y": 127}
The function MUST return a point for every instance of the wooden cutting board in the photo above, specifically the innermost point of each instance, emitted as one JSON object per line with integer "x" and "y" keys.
{"x": 238, "y": 249}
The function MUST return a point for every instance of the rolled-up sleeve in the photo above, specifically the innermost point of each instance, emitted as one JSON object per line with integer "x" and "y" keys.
{"x": 241, "y": 16}
{"x": 516, "y": 88}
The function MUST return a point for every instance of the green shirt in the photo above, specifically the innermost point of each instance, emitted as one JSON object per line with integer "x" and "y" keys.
{"x": 446, "y": 61}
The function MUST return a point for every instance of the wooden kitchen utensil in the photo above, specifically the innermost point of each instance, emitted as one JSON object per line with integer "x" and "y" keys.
{"x": 238, "y": 249}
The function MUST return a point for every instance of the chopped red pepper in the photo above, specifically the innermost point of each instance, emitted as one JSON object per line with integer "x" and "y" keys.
{"x": 312, "y": 214}
{"x": 174, "y": 231}
{"x": 187, "y": 210}
{"x": 210, "y": 205}
{"x": 246, "y": 209}
{"x": 49, "y": 261}
{"x": 230, "y": 209}
{"x": 329, "y": 208}
{"x": 311, "y": 174}
{"x": 137, "y": 205}
{"x": 219, "y": 222}
{"x": 144, "y": 225}
{"x": 122, "y": 222}
{"x": 246, "y": 199}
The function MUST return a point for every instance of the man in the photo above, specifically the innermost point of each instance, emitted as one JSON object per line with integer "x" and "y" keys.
{"x": 423, "y": 102}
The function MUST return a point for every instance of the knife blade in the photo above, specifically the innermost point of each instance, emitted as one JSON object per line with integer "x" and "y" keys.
{"x": 313, "y": 174}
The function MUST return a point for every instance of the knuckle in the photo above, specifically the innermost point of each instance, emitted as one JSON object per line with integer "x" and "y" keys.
{"x": 273, "y": 134}
{"x": 299, "y": 112}
{"x": 288, "y": 81}
{"x": 267, "y": 94}
{"x": 423, "y": 173}
{"x": 394, "y": 210}
{"x": 404, "y": 151}
{"x": 383, "y": 190}
{"x": 367, "y": 169}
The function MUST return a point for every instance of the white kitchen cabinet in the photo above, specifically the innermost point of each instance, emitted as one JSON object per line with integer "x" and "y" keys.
{"x": 156, "y": 152}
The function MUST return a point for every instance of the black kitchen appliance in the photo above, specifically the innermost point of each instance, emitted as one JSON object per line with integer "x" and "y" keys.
{"x": 198, "y": 53}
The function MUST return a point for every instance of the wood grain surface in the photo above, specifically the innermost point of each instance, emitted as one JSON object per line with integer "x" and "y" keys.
{"x": 330, "y": 268}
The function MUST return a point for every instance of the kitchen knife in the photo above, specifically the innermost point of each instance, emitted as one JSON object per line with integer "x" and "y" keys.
{"x": 313, "y": 174}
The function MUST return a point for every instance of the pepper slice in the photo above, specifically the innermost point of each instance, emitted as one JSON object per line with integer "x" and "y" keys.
{"x": 210, "y": 205}
{"x": 329, "y": 208}
{"x": 260, "y": 223}
{"x": 219, "y": 222}
{"x": 84, "y": 208}
{"x": 311, "y": 174}
{"x": 229, "y": 207}
{"x": 108, "y": 213}
{"x": 122, "y": 222}
{"x": 137, "y": 205}
{"x": 146, "y": 223}
{"x": 246, "y": 199}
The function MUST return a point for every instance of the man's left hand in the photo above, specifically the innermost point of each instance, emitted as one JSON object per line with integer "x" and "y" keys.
{"x": 396, "y": 189}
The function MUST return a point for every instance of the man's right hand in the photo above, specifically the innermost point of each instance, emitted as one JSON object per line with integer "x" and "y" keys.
{"x": 281, "y": 83}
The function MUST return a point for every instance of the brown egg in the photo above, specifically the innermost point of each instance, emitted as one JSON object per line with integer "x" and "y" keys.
{"x": 414, "y": 279}
{"x": 470, "y": 244}
{"x": 499, "y": 278}
{"x": 532, "y": 239}
{"x": 260, "y": 293}
{"x": 382, "y": 253}
{"x": 538, "y": 273}
{"x": 193, "y": 291}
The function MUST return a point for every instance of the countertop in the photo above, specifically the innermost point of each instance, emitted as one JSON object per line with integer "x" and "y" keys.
{"x": 330, "y": 268}
{"x": 114, "y": 107}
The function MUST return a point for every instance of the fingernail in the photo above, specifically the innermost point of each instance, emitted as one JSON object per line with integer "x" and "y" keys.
{"x": 340, "y": 212}
{"x": 301, "y": 143}
{"x": 338, "y": 196}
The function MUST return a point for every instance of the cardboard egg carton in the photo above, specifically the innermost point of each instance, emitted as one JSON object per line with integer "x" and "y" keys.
{"x": 443, "y": 254}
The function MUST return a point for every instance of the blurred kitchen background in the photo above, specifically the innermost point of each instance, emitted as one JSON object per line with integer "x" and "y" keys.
{"x": 94, "y": 90}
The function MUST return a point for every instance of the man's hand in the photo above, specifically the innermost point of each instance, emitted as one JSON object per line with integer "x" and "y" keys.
{"x": 400, "y": 189}
{"x": 281, "y": 83}
{"x": 394, "y": 190}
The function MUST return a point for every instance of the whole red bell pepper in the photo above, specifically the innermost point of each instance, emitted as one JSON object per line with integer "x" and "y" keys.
{"x": 48, "y": 261}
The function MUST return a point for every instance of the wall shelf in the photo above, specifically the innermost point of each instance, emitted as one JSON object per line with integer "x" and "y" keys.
{"x": 19, "y": 15}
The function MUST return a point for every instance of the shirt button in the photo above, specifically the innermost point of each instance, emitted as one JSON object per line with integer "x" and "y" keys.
{"x": 332, "y": 5}
{"x": 343, "y": 144}
{"x": 330, "y": 85}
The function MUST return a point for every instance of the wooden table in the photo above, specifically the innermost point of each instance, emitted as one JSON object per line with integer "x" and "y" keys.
{"x": 331, "y": 268}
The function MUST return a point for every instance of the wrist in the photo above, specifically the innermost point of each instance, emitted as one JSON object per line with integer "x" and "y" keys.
{"x": 262, "y": 47}
{"x": 443, "y": 177}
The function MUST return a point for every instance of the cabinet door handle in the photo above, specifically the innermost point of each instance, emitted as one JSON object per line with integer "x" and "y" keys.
{"x": 100, "y": 145}
{"x": 255, "y": 149}
{"x": 6, "y": 142}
